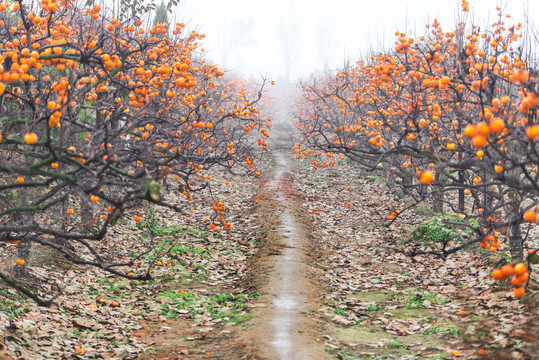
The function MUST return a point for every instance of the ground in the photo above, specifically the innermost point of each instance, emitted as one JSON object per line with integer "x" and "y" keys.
{"x": 214, "y": 294}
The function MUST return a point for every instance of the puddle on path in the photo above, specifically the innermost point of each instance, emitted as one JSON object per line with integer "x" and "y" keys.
{"x": 288, "y": 286}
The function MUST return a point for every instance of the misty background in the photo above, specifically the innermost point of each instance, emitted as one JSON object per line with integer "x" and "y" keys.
{"x": 291, "y": 39}
{"x": 288, "y": 41}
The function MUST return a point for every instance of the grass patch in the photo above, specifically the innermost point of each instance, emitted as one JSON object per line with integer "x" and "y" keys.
{"x": 442, "y": 230}
{"x": 9, "y": 308}
{"x": 218, "y": 306}
{"x": 415, "y": 300}
{"x": 10, "y": 304}
{"x": 341, "y": 312}
{"x": 441, "y": 330}
{"x": 239, "y": 318}
{"x": 397, "y": 344}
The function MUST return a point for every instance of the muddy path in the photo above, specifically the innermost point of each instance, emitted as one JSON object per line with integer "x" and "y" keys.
{"x": 284, "y": 328}
{"x": 281, "y": 321}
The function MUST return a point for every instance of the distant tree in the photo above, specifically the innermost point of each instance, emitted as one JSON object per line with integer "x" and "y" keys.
{"x": 325, "y": 36}
{"x": 288, "y": 29}
{"x": 161, "y": 15}
{"x": 128, "y": 8}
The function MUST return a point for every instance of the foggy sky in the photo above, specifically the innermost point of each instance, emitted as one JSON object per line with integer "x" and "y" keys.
{"x": 249, "y": 36}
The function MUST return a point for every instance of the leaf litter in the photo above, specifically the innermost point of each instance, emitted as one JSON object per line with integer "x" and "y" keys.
{"x": 195, "y": 294}
{"x": 377, "y": 301}
{"x": 380, "y": 302}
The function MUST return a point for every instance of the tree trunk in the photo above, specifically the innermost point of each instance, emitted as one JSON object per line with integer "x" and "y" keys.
{"x": 514, "y": 234}
{"x": 438, "y": 202}
{"x": 86, "y": 213}
{"x": 438, "y": 196}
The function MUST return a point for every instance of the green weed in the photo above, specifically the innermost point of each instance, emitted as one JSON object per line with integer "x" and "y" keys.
{"x": 415, "y": 301}
{"x": 218, "y": 305}
{"x": 341, "y": 312}
{"x": 397, "y": 344}
{"x": 441, "y": 329}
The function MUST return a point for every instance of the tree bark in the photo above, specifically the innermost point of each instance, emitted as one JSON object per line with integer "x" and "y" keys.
{"x": 514, "y": 234}
{"x": 438, "y": 196}
{"x": 438, "y": 202}
{"x": 86, "y": 213}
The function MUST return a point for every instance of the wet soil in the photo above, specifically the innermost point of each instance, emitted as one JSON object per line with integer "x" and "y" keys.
{"x": 283, "y": 323}
{"x": 284, "y": 328}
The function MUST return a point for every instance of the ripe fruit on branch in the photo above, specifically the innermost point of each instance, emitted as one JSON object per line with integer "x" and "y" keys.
{"x": 393, "y": 215}
{"x": 507, "y": 271}
{"x": 520, "y": 278}
{"x": 479, "y": 141}
{"x": 426, "y": 177}
{"x": 496, "y": 125}
{"x": 30, "y": 138}
{"x": 532, "y": 132}
{"x": 470, "y": 131}
{"x": 520, "y": 269}
{"x": 497, "y": 274}
{"x": 519, "y": 292}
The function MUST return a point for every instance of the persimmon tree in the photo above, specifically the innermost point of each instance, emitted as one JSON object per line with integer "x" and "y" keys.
{"x": 451, "y": 114}
{"x": 98, "y": 113}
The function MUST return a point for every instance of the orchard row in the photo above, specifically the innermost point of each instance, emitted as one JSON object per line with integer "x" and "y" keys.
{"x": 450, "y": 117}
{"x": 99, "y": 113}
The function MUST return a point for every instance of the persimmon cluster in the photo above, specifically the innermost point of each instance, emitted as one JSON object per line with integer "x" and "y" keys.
{"x": 449, "y": 116}
{"x": 519, "y": 277}
{"x": 491, "y": 242}
{"x": 531, "y": 216}
{"x": 219, "y": 209}
{"x": 100, "y": 114}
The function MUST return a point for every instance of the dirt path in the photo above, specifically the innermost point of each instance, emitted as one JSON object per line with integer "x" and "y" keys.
{"x": 284, "y": 329}
{"x": 281, "y": 323}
